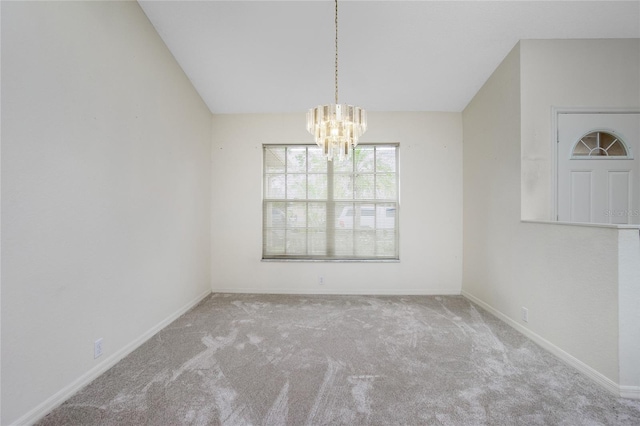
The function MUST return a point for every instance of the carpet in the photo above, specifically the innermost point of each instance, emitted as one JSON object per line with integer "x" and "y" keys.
{"x": 238, "y": 359}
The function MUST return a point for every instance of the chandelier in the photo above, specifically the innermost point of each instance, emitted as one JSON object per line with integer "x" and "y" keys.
{"x": 336, "y": 127}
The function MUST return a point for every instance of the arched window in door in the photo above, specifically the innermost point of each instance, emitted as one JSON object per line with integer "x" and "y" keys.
{"x": 599, "y": 144}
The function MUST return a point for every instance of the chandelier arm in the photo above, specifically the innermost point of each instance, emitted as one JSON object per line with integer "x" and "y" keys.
{"x": 336, "y": 77}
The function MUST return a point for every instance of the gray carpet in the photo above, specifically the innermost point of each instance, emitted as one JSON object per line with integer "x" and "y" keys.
{"x": 356, "y": 360}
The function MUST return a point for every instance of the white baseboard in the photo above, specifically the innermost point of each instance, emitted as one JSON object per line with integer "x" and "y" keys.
{"x": 369, "y": 292}
{"x": 63, "y": 394}
{"x": 631, "y": 392}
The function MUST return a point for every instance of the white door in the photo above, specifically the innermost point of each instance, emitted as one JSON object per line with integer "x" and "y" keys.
{"x": 599, "y": 168}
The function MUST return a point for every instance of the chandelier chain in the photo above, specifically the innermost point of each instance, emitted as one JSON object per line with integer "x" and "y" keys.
{"x": 336, "y": 77}
{"x": 336, "y": 128}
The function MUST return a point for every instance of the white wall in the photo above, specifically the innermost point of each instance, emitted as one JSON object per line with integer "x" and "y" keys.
{"x": 105, "y": 193}
{"x": 565, "y": 275}
{"x": 567, "y": 73}
{"x": 430, "y": 208}
{"x": 629, "y": 301}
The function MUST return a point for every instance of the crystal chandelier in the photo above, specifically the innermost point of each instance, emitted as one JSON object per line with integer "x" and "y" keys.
{"x": 337, "y": 127}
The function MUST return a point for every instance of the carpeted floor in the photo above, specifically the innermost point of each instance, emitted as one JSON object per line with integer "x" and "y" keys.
{"x": 356, "y": 360}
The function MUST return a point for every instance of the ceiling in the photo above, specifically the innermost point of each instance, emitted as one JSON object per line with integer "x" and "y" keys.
{"x": 278, "y": 56}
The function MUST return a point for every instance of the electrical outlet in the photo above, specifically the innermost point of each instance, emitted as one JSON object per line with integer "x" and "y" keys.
{"x": 321, "y": 279}
{"x": 525, "y": 314}
{"x": 97, "y": 348}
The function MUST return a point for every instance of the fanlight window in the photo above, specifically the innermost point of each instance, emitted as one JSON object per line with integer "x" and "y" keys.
{"x": 599, "y": 145}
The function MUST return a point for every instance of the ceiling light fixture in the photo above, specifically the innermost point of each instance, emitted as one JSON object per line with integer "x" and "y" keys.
{"x": 336, "y": 127}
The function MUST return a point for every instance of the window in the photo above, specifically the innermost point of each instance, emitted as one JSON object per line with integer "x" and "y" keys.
{"x": 599, "y": 145}
{"x": 319, "y": 209}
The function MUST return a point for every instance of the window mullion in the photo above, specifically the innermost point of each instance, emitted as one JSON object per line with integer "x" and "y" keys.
{"x": 306, "y": 204}
{"x": 331, "y": 213}
{"x": 286, "y": 198}
{"x": 353, "y": 203}
{"x": 375, "y": 205}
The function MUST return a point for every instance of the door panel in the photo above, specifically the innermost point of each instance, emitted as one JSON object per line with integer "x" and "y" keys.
{"x": 597, "y": 182}
{"x": 581, "y": 191}
{"x": 619, "y": 197}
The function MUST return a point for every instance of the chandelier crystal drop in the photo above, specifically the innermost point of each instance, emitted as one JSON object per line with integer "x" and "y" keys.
{"x": 336, "y": 127}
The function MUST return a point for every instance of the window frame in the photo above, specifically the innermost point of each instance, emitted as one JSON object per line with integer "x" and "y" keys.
{"x": 331, "y": 204}
{"x": 598, "y": 132}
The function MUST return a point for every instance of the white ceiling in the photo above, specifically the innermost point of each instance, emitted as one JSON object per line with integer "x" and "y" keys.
{"x": 278, "y": 56}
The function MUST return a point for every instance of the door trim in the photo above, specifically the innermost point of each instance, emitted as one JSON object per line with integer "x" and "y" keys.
{"x": 555, "y": 113}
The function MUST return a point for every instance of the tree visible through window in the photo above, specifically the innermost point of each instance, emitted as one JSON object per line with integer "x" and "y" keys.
{"x": 599, "y": 145}
{"x": 318, "y": 209}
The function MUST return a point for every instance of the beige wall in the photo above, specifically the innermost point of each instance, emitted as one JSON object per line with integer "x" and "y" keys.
{"x": 430, "y": 208}
{"x": 105, "y": 193}
{"x": 491, "y": 183}
{"x": 567, "y": 73}
{"x": 573, "y": 301}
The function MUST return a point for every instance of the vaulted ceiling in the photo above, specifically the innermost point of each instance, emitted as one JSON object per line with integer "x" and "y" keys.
{"x": 278, "y": 56}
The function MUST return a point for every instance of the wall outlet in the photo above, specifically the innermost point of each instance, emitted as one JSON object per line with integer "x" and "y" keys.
{"x": 97, "y": 348}
{"x": 525, "y": 314}
{"x": 321, "y": 279}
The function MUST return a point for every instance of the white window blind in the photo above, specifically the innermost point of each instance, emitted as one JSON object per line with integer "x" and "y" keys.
{"x": 318, "y": 209}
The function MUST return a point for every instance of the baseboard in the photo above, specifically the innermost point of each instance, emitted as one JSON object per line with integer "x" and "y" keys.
{"x": 65, "y": 393}
{"x": 630, "y": 392}
{"x": 369, "y": 292}
{"x": 568, "y": 359}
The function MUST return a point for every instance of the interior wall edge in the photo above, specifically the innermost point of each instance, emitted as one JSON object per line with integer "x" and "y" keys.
{"x": 63, "y": 394}
{"x": 563, "y": 356}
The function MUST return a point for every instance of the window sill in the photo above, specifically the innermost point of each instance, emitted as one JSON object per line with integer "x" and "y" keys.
{"x": 332, "y": 260}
